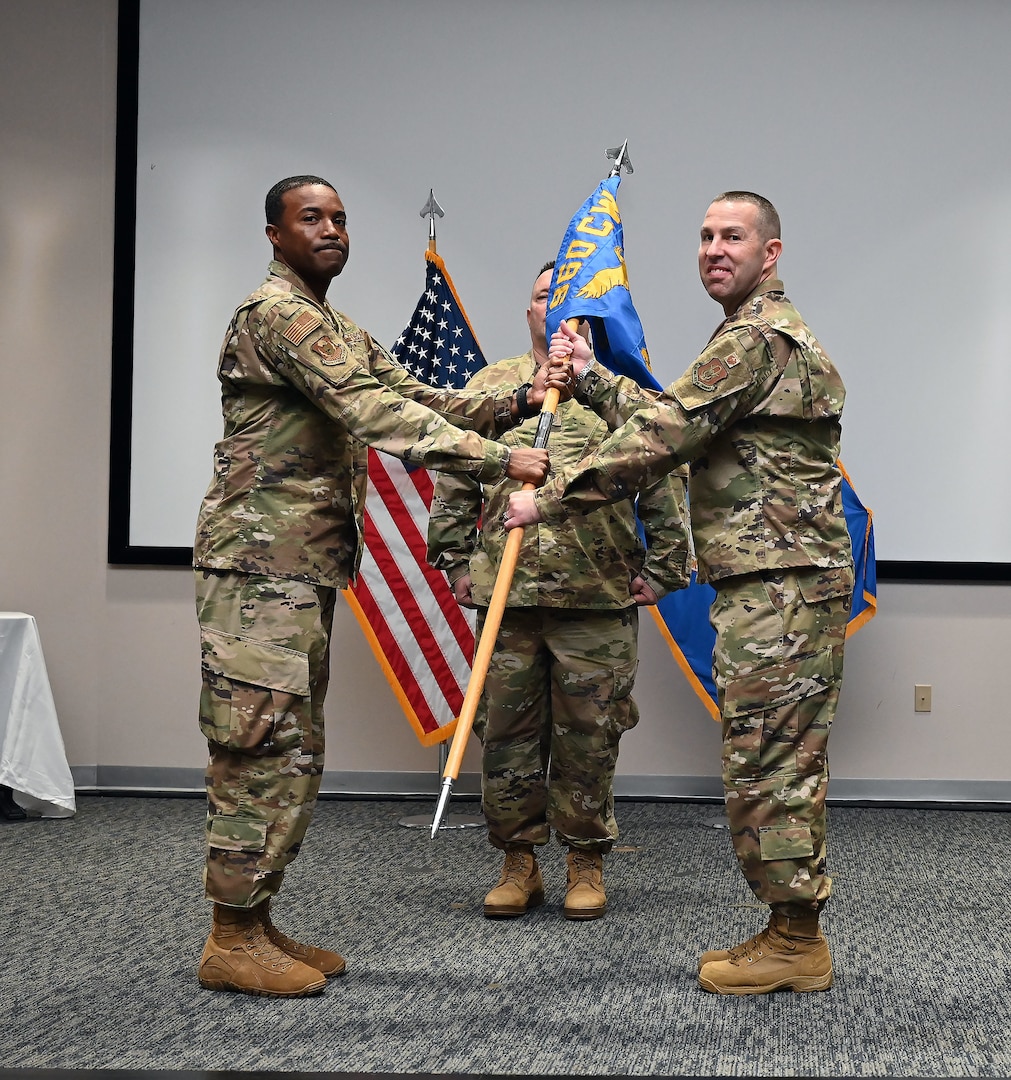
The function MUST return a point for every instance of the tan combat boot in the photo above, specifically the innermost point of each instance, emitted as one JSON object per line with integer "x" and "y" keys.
{"x": 520, "y": 887}
{"x": 585, "y": 898}
{"x": 790, "y": 953}
{"x": 713, "y": 955}
{"x": 324, "y": 960}
{"x": 239, "y": 956}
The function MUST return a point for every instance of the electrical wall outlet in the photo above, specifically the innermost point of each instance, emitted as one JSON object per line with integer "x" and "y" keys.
{"x": 921, "y": 697}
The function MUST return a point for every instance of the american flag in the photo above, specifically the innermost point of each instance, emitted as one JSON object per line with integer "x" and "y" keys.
{"x": 423, "y": 640}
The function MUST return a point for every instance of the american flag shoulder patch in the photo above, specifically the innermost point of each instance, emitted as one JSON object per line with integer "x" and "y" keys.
{"x": 301, "y": 327}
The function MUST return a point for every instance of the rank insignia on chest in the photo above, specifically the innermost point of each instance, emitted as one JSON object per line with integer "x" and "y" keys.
{"x": 329, "y": 351}
{"x": 708, "y": 374}
{"x": 301, "y": 327}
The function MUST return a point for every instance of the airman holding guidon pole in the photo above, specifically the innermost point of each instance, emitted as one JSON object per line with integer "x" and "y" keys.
{"x": 303, "y": 391}
{"x": 758, "y": 416}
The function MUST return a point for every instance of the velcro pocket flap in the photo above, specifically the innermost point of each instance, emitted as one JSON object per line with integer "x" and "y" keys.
{"x": 826, "y": 584}
{"x": 785, "y": 842}
{"x": 255, "y": 662}
{"x": 230, "y": 833}
{"x": 771, "y": 688}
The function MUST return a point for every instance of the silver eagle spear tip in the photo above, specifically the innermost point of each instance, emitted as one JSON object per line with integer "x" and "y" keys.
{"x": 429, "y": 210}
{"x": 619, "y": 154}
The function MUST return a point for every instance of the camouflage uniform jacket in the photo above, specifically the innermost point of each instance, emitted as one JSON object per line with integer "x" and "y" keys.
{"x": 758, "y": 416}
{"x": 582, "y": 562}
{"x": 303, "y": 390}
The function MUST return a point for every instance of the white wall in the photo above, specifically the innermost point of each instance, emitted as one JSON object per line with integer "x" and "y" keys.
{"x": 121, "y": 644}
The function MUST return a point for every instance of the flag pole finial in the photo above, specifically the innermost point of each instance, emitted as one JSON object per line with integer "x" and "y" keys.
{"x": 619, "y": 154}
{"x": 429, "y": 210}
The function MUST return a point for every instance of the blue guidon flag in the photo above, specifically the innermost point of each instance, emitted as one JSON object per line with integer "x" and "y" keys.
{"x": 590, "y": 282}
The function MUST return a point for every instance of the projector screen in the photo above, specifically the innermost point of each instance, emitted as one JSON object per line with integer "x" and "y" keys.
{"x": 878, "y": 130}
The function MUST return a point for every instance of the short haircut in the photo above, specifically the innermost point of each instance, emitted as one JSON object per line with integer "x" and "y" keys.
{"x": 549, "y": 265}
{"x": 274, "y": 203}
{"x": 768, "y": 215}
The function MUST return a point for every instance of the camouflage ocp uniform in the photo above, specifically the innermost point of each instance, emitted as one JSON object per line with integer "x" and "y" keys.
{"x": 303, "y": 390}
{"x": 758, "y": 416}
{"x": 557, "y": 696}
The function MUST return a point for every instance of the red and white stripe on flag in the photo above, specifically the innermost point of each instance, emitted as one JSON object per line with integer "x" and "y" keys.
{"x": 422, "y": 639}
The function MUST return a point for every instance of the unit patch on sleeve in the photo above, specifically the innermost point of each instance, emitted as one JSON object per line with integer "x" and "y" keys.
{"x": 301, "y": 327}
{"x": 330, "y": 352}
{"x": 708, "y": 374}
{"x": 725, "y": 368}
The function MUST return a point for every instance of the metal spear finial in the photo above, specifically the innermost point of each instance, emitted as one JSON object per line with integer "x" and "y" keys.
{"x": 621, "y": 159}
{"x": 440, "y": 810}
{"x": 429, "y": 210}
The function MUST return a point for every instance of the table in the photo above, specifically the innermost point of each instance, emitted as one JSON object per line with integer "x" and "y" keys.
{"x": 33, "y": 762}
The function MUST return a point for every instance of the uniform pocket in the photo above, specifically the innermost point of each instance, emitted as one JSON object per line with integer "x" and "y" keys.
{"x": 826, "y": 584}
{"x": 763, "y": 716}
{"x": 624, "y": 712}
{"x": 773, "y": 687}
{"x": 230, "y": 833}
{"x": 785, "y": 842}
{"x": 236, "y": 701}
{"x": 600, "y": 698}
{"x": 624, "y": 679}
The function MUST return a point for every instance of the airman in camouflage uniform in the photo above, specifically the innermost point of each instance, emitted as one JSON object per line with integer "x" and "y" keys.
{"x": 758, "y": 416}
{"x": 557, "y": 696}
{"x": 279, "y": 531}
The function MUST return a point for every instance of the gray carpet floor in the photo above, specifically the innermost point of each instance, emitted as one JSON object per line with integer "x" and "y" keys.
{"x": 104, "y": 920}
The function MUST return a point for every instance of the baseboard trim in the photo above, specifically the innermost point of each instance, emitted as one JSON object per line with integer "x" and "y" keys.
{"x": 152, "y": 780}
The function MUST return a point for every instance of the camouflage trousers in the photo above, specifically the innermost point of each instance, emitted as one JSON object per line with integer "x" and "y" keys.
{"x": 556, "y": 700}
{"x": 778, "y": 665}
{"x": 265, "y": 645}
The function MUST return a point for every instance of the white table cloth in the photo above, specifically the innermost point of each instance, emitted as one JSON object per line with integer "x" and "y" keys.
{"x": 33, "y": 762}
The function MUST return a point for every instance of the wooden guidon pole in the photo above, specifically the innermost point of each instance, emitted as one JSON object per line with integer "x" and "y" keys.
{"x": 489, "y": 632}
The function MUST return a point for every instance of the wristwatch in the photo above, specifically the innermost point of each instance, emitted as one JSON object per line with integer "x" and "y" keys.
{"x": 590, "y": 364}
{"x": 524, "y": 410}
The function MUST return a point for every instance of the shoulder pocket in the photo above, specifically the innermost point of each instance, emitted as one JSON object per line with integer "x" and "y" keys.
{"x": 723, "y": 369}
